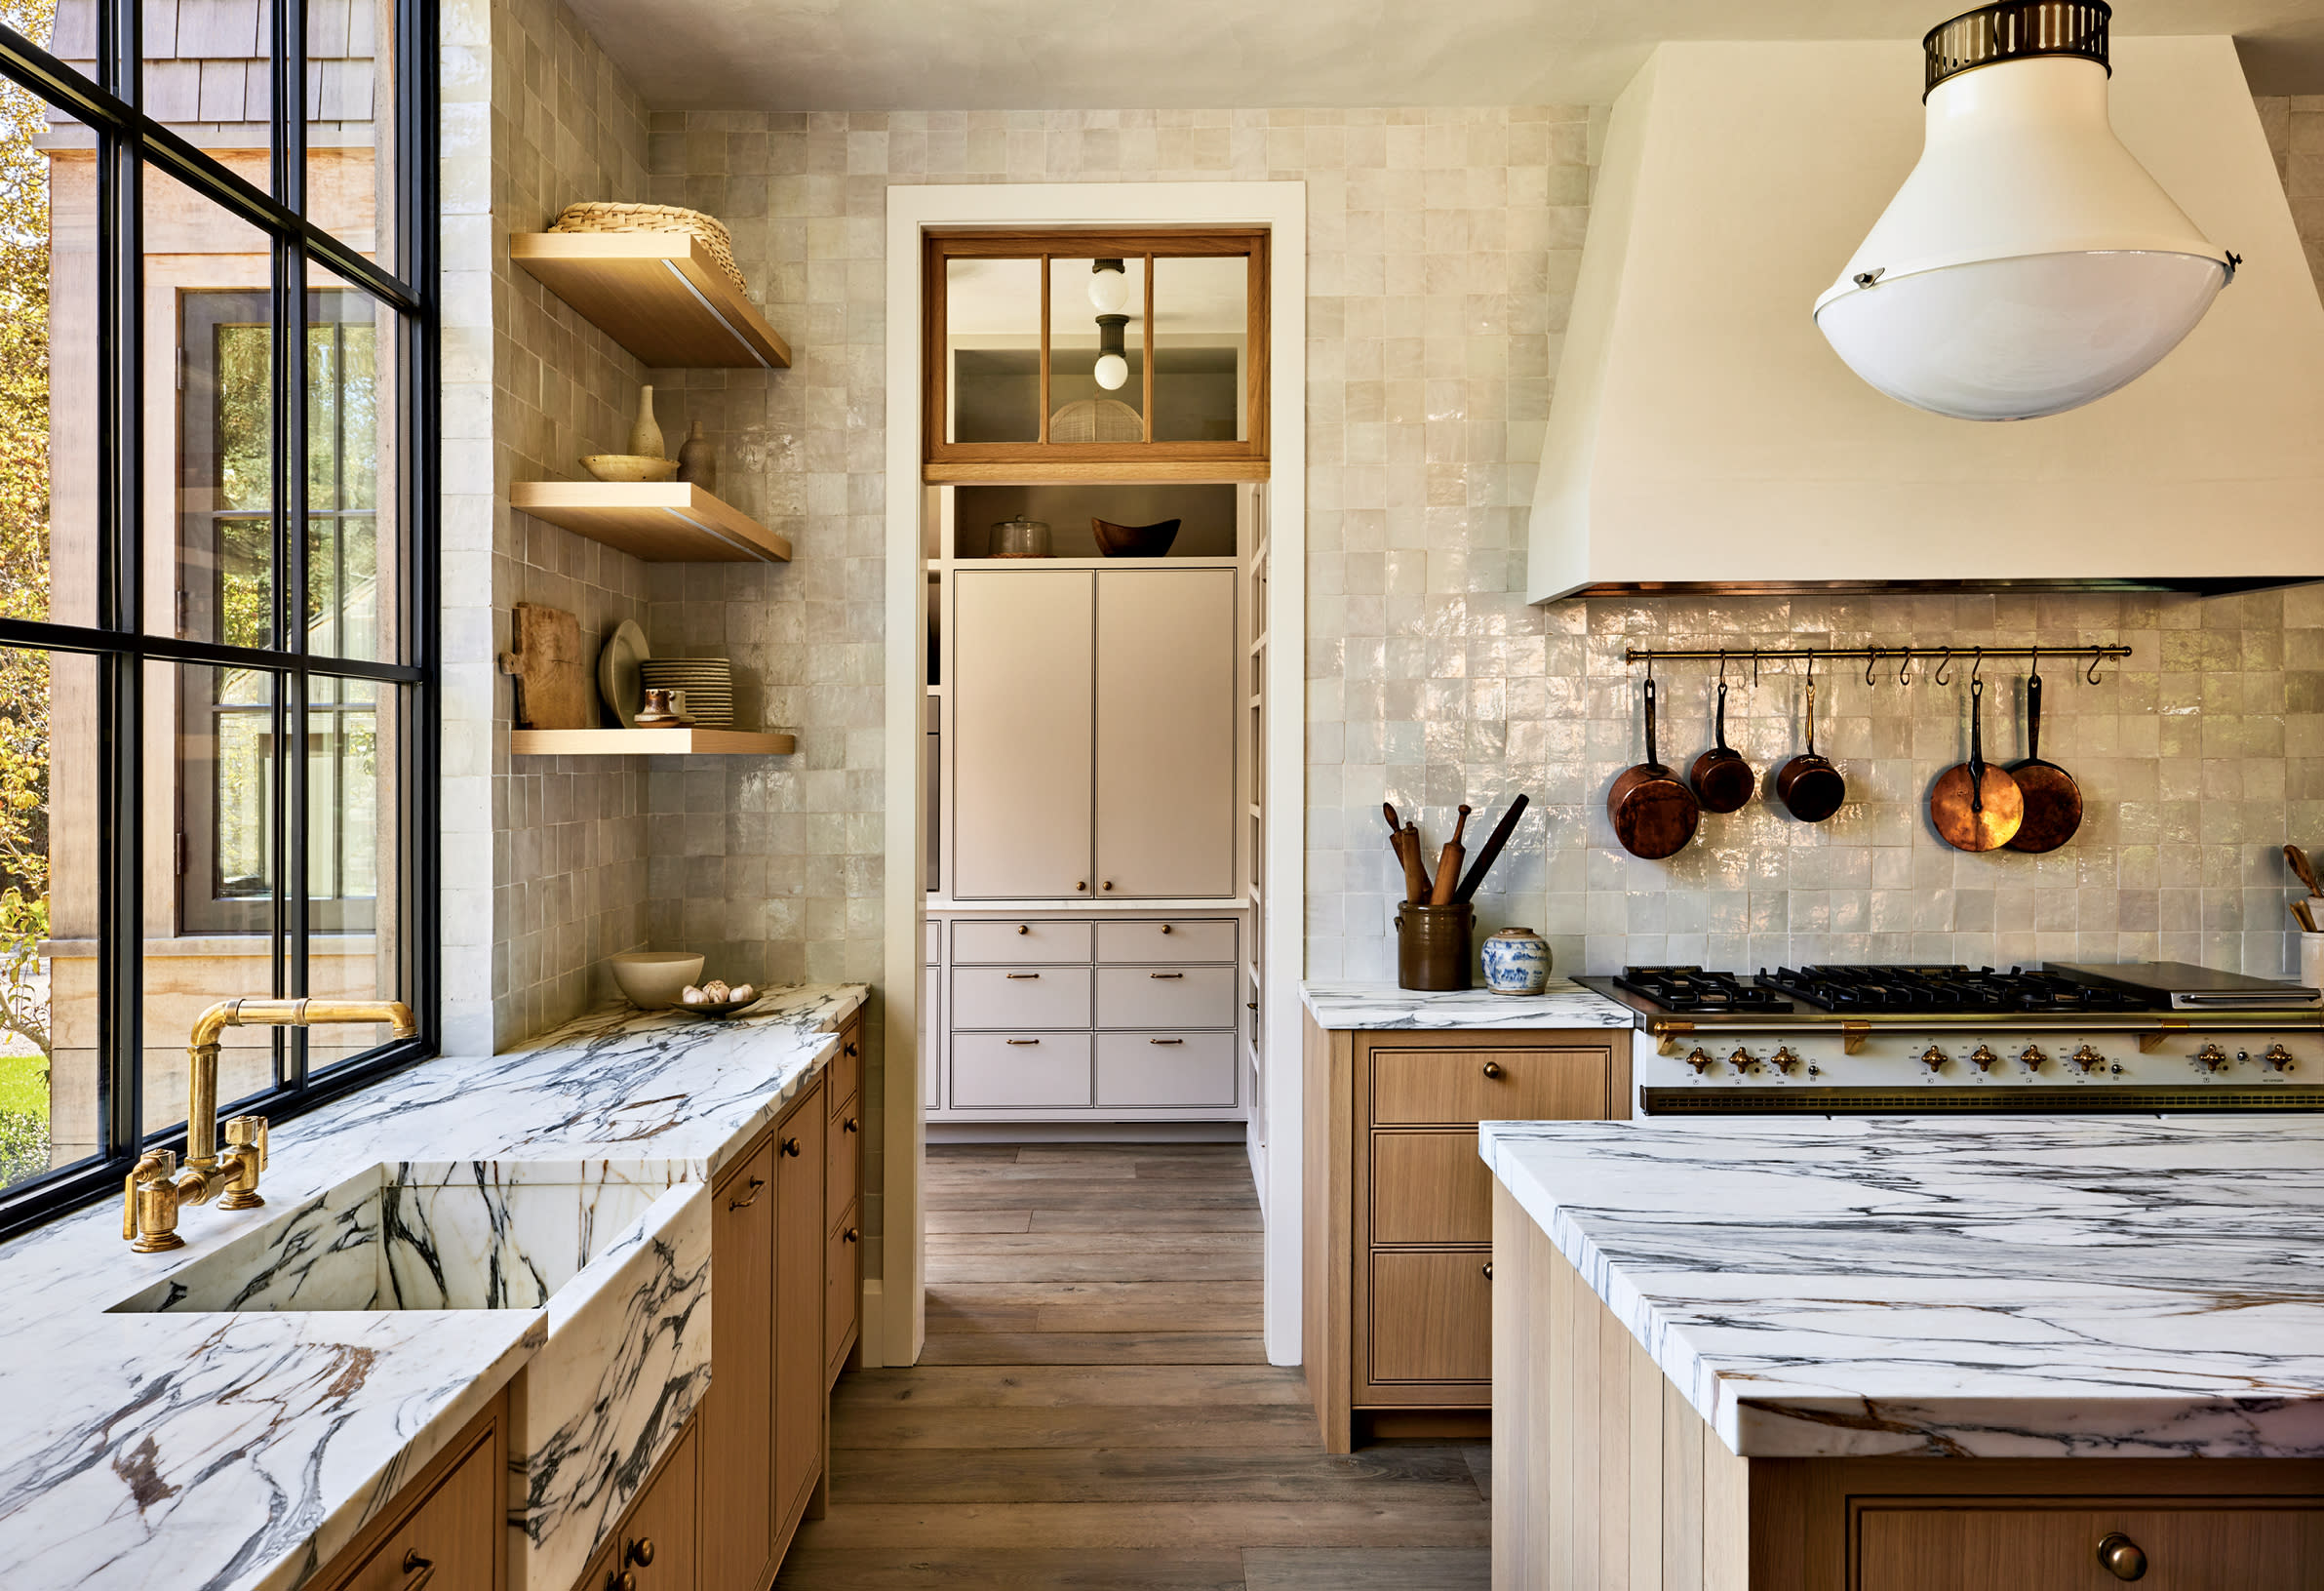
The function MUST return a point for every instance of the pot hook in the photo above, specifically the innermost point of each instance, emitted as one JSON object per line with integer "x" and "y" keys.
{"x": 1811, "y": 705}
{"x": 1947, "y": 663}
{"x": 1977, "y": 686}
{"x": 1872, "y": 660}
{"x": 1903, "y": 670}
{"x": 2096, "y": 654}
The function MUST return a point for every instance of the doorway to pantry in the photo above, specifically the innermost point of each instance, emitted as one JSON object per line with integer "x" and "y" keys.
{"x": 1094, "y": 450}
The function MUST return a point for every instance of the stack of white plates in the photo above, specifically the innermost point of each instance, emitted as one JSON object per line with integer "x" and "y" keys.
{"x": 708, "y": 683}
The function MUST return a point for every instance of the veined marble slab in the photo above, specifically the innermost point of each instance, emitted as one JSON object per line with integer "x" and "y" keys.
{"x": 1997, "y": 1287}
{"x": 1338, "y": 1007}
{"x": 194, "y": 1419}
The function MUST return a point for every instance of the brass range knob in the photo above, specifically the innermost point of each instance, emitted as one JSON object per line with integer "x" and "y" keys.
{"x": 2212, "y": 1059}
{"x": 2031, "y": 1058}
{"x": 2278, "y": 1058}
{"x": 1743, "y": 1060}
{"x": 1934, "y": 1058}
{"x": 2121, "y": 1556}
{"x": 1701, "y": 1059}
{"x": 1783, "y": 1061}
{"x": 2087, "y": 1058}
{"x": 1984, "y": 1058}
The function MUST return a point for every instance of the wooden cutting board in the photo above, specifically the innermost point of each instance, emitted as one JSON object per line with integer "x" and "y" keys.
{"x": 553, "y": 687}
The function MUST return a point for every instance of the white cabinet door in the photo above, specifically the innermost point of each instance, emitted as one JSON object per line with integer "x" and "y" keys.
{"x": 1165, "y": 733}
{"x": 1020, "y": 734}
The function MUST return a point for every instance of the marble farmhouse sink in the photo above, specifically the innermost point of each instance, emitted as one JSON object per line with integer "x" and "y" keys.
{"x": 615, "y": 1254}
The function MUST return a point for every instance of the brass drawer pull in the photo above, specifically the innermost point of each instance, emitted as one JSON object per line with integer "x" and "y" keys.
{"x": 1108, "y": 884}
{"x": 1166, "y": 974}
{"x": 1166, "y": 1041}
{"x": 1019, "y": 978}
{"x": 421, "y": 1570}
{"x": 850, "y": 1050}
{"x": 1166, "y": 928}
{"x": 2121, "y": 1556}
{"x": 1023, "y": 927}
{"x": 758, "y": 1186}
{"x": 852, "y": 1235}
{"x": 1492, "y": 1069}
{"x": 1024, "y": 1041}
{"x": 791, "y": 1148}
{"x": 851, "y": 1125}
{"x": 1488, "y": 1270}
{"x": 640, "y": 1552}
{"x": 621, "y": 1580}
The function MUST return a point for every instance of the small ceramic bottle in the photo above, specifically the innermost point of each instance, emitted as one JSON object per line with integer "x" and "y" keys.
{"x": 697, "y": 459}
{"x": 1517, "y": 960}
{"x": 644, "y": 437}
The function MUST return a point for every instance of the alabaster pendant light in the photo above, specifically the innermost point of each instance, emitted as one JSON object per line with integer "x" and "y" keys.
{"x": 2029, "y": 265}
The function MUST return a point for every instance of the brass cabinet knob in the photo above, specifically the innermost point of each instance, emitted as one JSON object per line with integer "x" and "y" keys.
{"x": 850, "y": 1050}
{"x": 851, "y": 1125}
{"x": 1107, "y": 885}
{"x": 621, "y": 1580}
{"x": 1492, "y": 1069}
{"x": 852, "y": 1234}
{"x": 2121, "y": 1556}
{"x": 421, "y": 1570}
{"x": 1023, "y": 927}
{"x": 1166, "y": 928}
{"x": 1080, "y": 884}
{"x": 640, "y": 1552}
{"x": 1488, "y": 1270}
{"x": 791, "y": 1148}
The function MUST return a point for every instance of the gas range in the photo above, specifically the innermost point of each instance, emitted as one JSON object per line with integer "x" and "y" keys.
{"x": 1913, "y": 1040}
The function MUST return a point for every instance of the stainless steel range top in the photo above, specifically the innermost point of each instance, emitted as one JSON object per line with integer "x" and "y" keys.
{"x": 1927, "y": 1039}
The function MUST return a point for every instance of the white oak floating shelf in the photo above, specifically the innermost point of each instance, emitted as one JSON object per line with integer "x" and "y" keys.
{"x": 648, "y": 742}
{"x": 663, "y": 522}
{"x": 657, "y": 293}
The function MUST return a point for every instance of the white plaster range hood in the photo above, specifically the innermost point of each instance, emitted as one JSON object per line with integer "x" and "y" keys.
{"x": 1704, "y": 437}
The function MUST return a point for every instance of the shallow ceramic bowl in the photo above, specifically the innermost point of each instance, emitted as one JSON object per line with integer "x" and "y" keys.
{"x": 1134, "y": 540}
{"x": 653, "y": 980}
{"x": 724, "y": 1007}
{"x": 630, "y": 466}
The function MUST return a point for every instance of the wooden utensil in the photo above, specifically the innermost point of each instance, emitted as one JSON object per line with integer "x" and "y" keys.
{"x": 1416, "y": 870}
{"x": 2305, "y": 915}
{"x": 1654, "y": 812}
{"x": 1974, "y": 805}
{"x": 1722, "y": 781}
{"x": 1810, "y": 789}
{"x": 2301, "y": 868}
{"x": 1491, "y": 852}
{"x": 2053, "y": 799}
{"x": 553, "y": 691}
{"x": 1449, "y": 864}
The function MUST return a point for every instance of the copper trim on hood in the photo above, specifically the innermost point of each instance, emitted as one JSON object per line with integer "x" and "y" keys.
{"x": 2226, "y": 586}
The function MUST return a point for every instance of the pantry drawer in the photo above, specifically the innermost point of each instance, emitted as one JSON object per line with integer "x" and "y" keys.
{"x": 1491, "y": 1084}
{"x": 1171, "y": 996}
{"x": 1167, "y": 939}
{"x": 1167, "y": 1069}
{"x": 1020, "y": 997}
{"x": 997, "y": 1071}
{"x": 1029, "y": 940}
{"x": 1953, "y": 1544}
{"x": 1430, "y": 1187}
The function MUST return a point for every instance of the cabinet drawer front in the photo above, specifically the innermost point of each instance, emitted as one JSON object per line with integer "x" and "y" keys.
{"x": 842, "y": 1158}
{"x": 931, "y": 945}
{"x": 1430, "y": 1187}
{"x": 1020, "y": 997}
{"x": 846, "y": 1067}
{"x": 1034, "y": 939}
{"x": 843, "y": 1290}
{"x": 1167, "y": 939}
{"x": 1043, "y": 1071}
{"x": 1165, "y": 997}
{"x": 1490, "y": 1085}
{"x": 457, "y": 1529}
{"x": 1949, "y": 1544}
{"x": 1431, "y": 1316}
{"x": 1165, "y": 1069}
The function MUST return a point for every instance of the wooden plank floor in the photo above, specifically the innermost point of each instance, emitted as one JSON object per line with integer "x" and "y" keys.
{"x": 1095, "y": 1410}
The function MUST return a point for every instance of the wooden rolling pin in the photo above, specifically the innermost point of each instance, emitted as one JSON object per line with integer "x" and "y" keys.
{"x": 1417, "y": 884}
{"x": 1448, "y": 864}
{"x": 1491, "y": 852}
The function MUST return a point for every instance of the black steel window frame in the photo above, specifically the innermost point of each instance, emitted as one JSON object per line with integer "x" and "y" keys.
{"x": 128, "y": 141}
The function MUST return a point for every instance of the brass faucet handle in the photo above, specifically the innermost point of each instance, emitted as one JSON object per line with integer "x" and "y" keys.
{"x": 246, "y": 1158}
{"x": 150, "y": 1219}
{"x": 156, "y": 1164}
{"x": 247, "y": 1132}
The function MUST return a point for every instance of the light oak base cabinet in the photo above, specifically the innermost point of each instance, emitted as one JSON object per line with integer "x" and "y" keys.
{"x": 1606, "y": 1477}
{"x": 448, "y": 1526}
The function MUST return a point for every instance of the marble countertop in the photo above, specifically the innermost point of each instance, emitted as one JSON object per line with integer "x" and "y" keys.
{"x": 1340, "y": 1007}
{"x": 2001, "y": 1288}
{"x": 237, "y": 1451}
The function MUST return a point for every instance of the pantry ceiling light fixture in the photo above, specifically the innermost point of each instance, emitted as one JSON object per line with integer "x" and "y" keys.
{"x": 2029, "y": 265}
{"x": 1113, "y": 366}
{"x": 1109, "y": 286}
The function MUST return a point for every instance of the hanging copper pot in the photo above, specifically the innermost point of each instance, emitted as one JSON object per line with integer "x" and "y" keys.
{"x": 1654, "y": 812}
{"x": 1810, "y": 789}
{"x": 1721, "y": 779}
{"x": 1974, "y": 805}
{"x": 2053, "y": 799}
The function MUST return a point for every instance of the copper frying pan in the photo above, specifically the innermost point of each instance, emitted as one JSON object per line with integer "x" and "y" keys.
{"x": 1974, "y": 805}
{"x": 1723, "y": 780}
{"x": 1808, "y": 785}
{"x": 1653, "y": 812}
{"x": 2053, "y": 799}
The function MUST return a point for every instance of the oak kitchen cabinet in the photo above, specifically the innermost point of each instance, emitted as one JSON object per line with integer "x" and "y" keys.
{"x": 1092, "y": 733}
{"x": 656, "y": 1547}
{"x": 1399, "y": 1210}
{"x": 447, "y": 1528}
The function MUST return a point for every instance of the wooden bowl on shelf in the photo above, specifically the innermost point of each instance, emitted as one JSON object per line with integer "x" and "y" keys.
{"x": 1134, "y": 540}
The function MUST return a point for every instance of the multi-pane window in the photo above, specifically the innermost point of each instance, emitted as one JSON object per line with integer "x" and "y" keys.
{"x": 216, "y": 469}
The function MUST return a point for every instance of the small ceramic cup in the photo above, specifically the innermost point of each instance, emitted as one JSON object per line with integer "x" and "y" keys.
{"x": 1517, "y": 960}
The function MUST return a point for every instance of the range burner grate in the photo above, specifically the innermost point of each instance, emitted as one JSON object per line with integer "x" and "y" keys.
{"x": 1690, "y": 988}
{"x": 1875, "y": 991}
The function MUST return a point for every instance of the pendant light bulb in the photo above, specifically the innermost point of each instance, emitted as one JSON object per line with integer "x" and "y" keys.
{"x": 1109, "y": 286}
{"x": 2029, "y": 265}
{"x": 1111, "y": 372}
{"x": 1113, "y": 366}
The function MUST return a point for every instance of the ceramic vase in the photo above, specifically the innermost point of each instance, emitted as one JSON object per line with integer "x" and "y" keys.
{"x": 1517, "y": 960}
{"x": 644, "y": 437}
{"x": 697, "y": 459}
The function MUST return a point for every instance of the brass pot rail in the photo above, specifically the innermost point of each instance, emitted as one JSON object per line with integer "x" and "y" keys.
{"x": 1943, "y": 658}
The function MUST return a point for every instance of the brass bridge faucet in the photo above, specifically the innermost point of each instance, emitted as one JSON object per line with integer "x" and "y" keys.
{"x": 157, "y": 1187}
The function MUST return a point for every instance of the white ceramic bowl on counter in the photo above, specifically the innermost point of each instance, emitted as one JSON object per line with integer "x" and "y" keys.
{"x": 653, "y": 980}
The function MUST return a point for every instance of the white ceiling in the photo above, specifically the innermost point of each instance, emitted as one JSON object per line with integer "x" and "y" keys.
{"x": 1043, "y": 55}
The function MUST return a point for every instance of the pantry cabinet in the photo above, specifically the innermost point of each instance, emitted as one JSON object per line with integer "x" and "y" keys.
{"x": 445, "y": 1529}
{"x": 1094, "y": 733}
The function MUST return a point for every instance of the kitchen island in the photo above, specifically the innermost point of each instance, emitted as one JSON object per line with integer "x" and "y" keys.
{"x": 1902, "y": 1355}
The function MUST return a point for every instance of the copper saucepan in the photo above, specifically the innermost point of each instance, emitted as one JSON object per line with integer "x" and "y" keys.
{"x": 1723, "y": 780}
{"x": 2053, "y": 799}
{"x": 1654, "y": 812}
{"x": 1810, "y": 789}
{"x": 1974, "y": 805}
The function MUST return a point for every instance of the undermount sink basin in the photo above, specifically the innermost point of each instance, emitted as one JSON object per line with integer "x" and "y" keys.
{"x": 465, "y": 1234}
